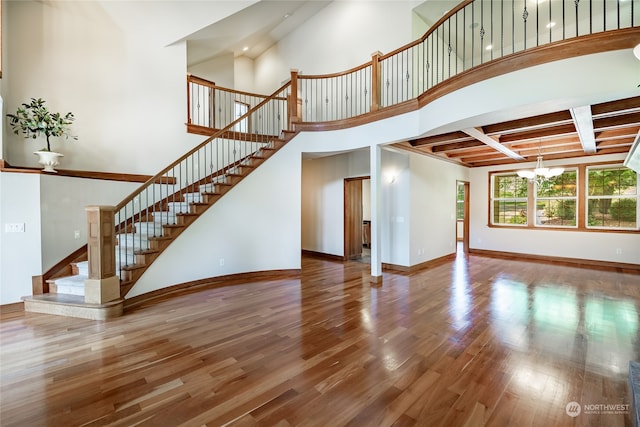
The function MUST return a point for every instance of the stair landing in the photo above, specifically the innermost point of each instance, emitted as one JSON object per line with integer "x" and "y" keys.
{"x": 73, "y": 306}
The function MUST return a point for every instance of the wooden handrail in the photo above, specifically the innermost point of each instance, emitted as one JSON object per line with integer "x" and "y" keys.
{"x": 430, "y": 31}
{"x": 158, "y": 177}
{"x": 340, "y": 74}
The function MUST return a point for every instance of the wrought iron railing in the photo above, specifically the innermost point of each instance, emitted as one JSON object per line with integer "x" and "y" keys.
{"x": 214, "y": 107}
{"x": 149, "y": 213}
{"x": 473, "y": 33}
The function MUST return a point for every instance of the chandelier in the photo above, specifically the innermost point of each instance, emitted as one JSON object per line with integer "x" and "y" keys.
{"x": 540, "y": 173}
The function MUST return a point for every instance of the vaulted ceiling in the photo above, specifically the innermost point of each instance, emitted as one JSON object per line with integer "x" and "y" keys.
{"x": 594, "y": 130}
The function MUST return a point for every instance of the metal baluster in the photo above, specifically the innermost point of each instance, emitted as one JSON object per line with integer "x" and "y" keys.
{"x": 482, "y": 31}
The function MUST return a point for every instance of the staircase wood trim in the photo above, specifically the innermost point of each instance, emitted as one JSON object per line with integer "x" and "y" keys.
{"x": 209, "y": 283}
{"x": 60, "y": 269}
{"x": 159, "y": 244}
{"x": 105, "y": 176}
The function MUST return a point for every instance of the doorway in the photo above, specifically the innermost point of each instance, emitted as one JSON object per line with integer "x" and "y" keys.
{"x": 357, "y": 218}
{"x": 462, "y": 215}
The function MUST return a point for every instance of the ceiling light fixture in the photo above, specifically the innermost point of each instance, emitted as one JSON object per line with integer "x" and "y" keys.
{"x": 246, "y": 48}
{"x": 540, "y": 173}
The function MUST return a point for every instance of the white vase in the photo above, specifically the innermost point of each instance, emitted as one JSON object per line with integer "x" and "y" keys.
{"x": 48, "y": 159}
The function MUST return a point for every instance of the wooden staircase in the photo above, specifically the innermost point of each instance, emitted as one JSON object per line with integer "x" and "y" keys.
{"x": 152, "y": 236}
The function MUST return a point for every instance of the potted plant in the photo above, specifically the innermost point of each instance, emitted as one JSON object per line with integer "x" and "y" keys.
{"x": 34, "y": 120}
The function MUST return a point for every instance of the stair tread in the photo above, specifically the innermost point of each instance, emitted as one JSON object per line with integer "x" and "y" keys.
{"x": 72, "y": 280}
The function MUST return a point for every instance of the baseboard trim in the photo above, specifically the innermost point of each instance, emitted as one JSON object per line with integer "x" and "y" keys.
{"x": 209, "y": 283}
{"x": 419, "y": 267}
{"x": 322, "y": 255}
{"x": 15, "y": 307}
{"x": 573, "y": 262}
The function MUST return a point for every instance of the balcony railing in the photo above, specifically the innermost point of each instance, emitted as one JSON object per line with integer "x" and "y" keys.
{"x": 472, "y": 34}
{"x": 242, "y": 124}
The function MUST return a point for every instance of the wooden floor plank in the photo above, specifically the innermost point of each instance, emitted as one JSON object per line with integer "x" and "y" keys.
{"x": 473, "y": 342}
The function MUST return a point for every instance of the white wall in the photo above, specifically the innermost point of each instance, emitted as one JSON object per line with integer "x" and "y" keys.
{"x": 433, "y": 207}
{"x": 323, "y": 199}
{"x": 570, "y": 244}
{"x": 62, "y": 204}
{"x": 254, "y": 227}
{"x": 110, "y": 63}
{"x": 20, "y": 253}
{"x": 218, "y": 70}
{"x": 341, "y": 36}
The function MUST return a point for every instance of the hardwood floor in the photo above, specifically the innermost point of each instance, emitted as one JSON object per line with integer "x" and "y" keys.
{"x": 477, "y": 341}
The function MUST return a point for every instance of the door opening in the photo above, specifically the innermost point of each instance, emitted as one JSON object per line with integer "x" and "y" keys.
{"x": 357, "y": 219}
{"x": 462, "y": 215}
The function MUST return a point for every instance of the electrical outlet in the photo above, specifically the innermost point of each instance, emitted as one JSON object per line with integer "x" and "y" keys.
{"x": 619, "y": 251}
{"x": 17, "y": 227}
{"x": 221, "y": 262}
{"x": 76, "y": 234}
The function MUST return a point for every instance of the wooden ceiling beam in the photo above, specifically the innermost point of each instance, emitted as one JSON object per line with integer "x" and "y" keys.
{"x": 529, "y": 123}
{"x": 619, "y": 121}
{"x": 625, "y": 132}
{"x": 491, "y": 142}
{"x": 619, "y": 142}
{"x": 583, "y": 121}
{"x": 553, "y": 131}
{"x": 457, "y": 146}
{"x": 437, "y": 139}
{"x": 616, "y": 106}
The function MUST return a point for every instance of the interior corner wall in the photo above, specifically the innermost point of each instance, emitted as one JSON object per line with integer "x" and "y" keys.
{"x": 590, "y": 245}
{"x": 433, "y": 207}
{"x": 254, "y": 227}
{"x": 396, "y": 208}
{"x": 108, "y": 63}
{"x": 323, "y": 199}
{"x": 62, "y": 204}
{"x": 20, "y": 252}
{"x": 219, "y": 70}
{"x": 243, "y": 74}
{"x": 339, "y": 37}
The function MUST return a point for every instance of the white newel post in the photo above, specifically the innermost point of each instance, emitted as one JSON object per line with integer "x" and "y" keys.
{"x": 103, "y": 285}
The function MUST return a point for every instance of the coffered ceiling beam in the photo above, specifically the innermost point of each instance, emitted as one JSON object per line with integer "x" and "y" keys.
{"x": 492, "y": 142}
{"x": 583, "y": 121}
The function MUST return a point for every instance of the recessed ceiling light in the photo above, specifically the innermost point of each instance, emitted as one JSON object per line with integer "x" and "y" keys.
{"x": 246, "y": 48}
{"x": 551, "y": 24}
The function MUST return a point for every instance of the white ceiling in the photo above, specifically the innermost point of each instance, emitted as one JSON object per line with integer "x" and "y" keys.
{"x": 257, "y": 27}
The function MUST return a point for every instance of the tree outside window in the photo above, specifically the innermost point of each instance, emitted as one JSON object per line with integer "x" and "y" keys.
{"x": 556, "y": 201}
{"x": 612, "y": 198}
{"x": 460, "y": 202}
{"x": 509, "y": 200}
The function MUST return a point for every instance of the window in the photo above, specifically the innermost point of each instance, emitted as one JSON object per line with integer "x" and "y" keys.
{"x": 460, "y": 202}
{"x": 240, "y": 109}
{"x": 556, "y": 201}
{"x": 612, "y": 198}
{"x": 509, "y": 200}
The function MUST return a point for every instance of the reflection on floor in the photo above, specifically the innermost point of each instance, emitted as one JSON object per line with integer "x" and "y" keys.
{"x": 365, "y": 257}
{"x": 476, "y": 341}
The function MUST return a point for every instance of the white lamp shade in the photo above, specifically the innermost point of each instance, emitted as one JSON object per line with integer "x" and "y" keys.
{"x": 636, "y": 51}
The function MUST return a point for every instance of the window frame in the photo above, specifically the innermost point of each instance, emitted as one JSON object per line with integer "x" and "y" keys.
{"x": 617, "y": 166}
{"x": 581, "y": 208}
{"x": 493, "y": 199}
{"x": 243, "y": 125}
{"x": 575, "y": 197}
